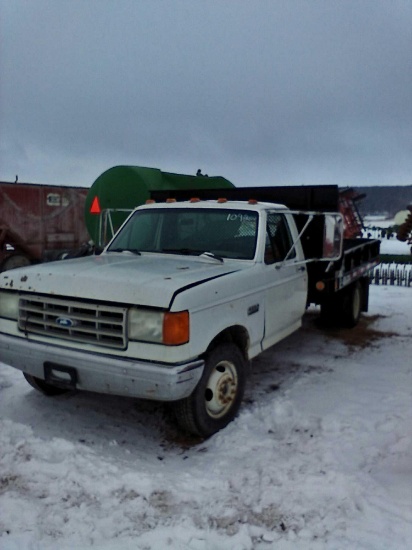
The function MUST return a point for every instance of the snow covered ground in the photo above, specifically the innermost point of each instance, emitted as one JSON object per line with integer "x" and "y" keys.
{"x": 388, "y": 246}
{"x": 320, "y": 456}
{"x": 393, "y": 246}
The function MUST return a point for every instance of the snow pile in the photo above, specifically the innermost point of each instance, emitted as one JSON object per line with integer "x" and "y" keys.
{"x": 319, "y": 457}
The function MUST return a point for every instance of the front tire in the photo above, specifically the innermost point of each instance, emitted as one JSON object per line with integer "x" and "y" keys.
{"x": 42, "y": 386}
{"x": 217, "y": 397}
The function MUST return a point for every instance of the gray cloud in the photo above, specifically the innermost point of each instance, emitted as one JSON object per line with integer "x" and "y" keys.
{"x": 260, "y": 92}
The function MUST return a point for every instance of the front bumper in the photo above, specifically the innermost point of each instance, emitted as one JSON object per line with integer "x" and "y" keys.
{"x": 102, "y": 373}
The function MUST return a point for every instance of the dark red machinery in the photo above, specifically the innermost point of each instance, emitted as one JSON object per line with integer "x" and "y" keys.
{"x": 351, "y": 216}
{"x": 39, "y": 222}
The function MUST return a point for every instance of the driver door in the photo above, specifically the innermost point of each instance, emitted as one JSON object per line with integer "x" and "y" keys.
{"x": 285, "y": 281}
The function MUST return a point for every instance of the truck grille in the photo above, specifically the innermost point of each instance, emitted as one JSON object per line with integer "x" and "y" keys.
{"x": 78, "y": 321}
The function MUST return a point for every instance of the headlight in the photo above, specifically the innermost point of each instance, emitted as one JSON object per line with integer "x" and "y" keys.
{"x": 9, "y": 305}
{"x": 171, "y": 329}
{"x": 145, "y": 325}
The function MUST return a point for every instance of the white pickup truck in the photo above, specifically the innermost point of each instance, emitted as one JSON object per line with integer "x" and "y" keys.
{"x": 178, "y": 303}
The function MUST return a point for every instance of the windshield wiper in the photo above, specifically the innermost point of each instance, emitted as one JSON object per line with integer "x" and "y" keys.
{"x": 133, "y": 250}
{"x": 192, "y": 252}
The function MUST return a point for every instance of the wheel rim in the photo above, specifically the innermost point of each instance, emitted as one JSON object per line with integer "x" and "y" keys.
{"x": 221, "y": 389}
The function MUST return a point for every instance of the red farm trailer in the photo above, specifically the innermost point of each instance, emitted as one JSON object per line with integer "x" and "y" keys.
{"x": 39, "y": 222}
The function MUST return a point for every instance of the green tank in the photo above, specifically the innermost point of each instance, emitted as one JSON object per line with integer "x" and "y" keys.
{"x": 119, "y": 190}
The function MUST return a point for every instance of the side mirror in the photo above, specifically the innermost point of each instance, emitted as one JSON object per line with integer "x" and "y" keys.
{"x": 321, "y": 235}
{"x": 332, "y": 237}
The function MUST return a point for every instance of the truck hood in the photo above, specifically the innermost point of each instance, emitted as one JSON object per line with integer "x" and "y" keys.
{"x": 149, "y": 279}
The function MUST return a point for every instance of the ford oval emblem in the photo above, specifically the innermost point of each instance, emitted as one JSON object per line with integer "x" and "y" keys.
{"x": 65, "y": 322}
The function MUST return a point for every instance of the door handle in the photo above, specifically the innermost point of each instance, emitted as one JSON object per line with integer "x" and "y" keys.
{"x": 301, "y": 268}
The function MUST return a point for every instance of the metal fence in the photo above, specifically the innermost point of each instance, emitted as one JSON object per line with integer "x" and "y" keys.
{"x": 392, "y": 274}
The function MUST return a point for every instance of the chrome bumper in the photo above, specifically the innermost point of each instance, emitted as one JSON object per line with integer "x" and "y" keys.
{"x": 101, "y": 373}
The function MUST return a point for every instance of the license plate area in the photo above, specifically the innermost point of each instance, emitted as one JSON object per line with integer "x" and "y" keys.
{"x": 60, "y": 375}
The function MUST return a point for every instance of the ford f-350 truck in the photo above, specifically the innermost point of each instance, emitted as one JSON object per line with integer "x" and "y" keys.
{"x": 179, "y": 302}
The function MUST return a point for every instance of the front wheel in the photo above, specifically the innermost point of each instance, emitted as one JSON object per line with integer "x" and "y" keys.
{"x": 42, "y": 386}
{"x": 217, "y": 398}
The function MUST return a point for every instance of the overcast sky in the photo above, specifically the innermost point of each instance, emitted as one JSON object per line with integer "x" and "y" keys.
{"x": 262, "y": 92}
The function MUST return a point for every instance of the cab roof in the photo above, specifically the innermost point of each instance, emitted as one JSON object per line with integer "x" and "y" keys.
{"x": 219, "y": 203}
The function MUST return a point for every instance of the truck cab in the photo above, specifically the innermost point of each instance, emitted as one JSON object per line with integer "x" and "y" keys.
{"x": 232, "y": 239}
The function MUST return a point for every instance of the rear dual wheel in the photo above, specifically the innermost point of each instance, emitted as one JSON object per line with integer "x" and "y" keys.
{"x": 352, "y": 305}
{"x": 344, "y": 308}
{"x": 217, "y": 398}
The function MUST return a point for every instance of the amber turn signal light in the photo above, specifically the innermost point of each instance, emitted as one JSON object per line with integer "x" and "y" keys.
{"x": 176, "y": 328}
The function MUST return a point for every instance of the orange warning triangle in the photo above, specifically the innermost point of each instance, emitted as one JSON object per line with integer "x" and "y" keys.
{"x": 95, "y": 207}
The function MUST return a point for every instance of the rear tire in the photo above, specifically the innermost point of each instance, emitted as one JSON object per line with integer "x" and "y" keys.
{"x": 344, "y": 308}
{"x": 42, "y": 386}
{"x": 217, "y": 397}
{"x": 352, "y": 305}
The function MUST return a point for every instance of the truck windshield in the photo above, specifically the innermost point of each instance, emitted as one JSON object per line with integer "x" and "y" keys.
{"x": 222, "y": 233}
